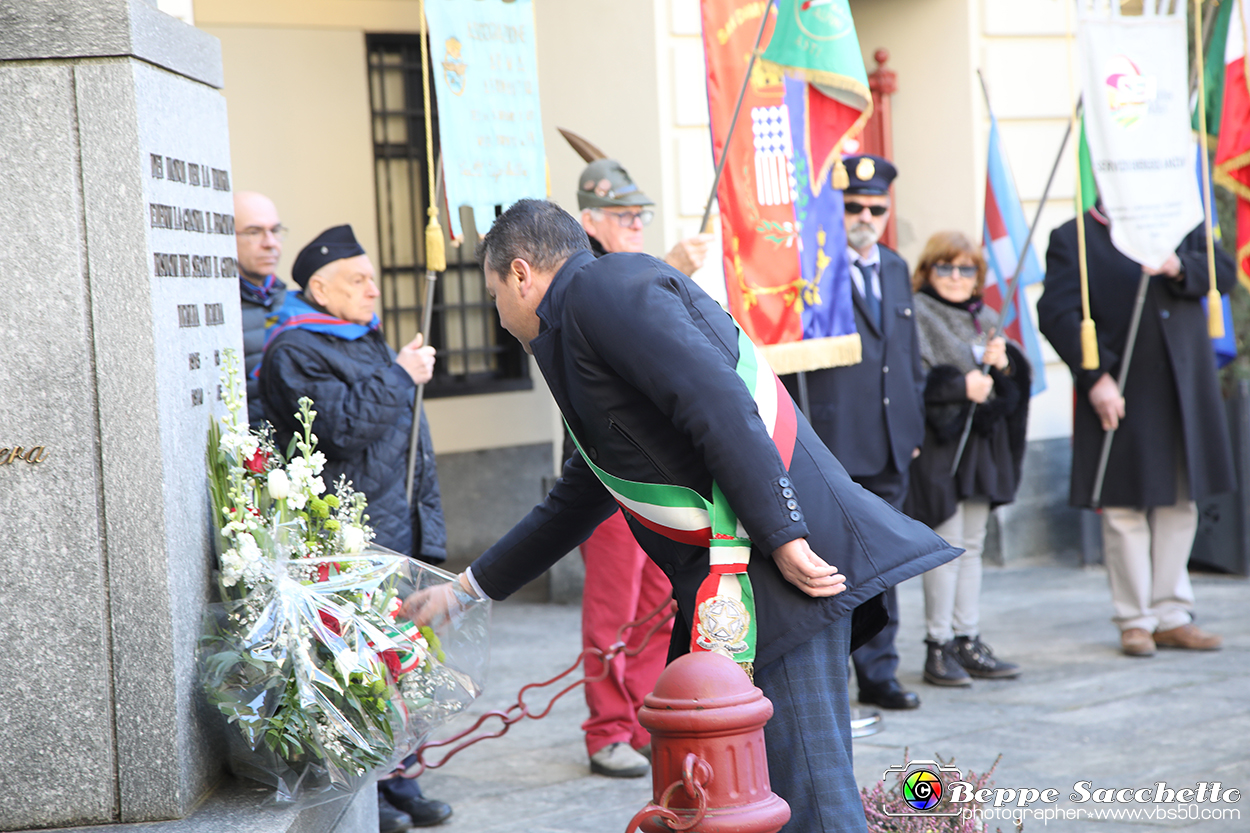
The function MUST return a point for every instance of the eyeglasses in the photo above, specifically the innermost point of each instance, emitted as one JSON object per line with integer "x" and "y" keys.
{"x": 946, "y": 270}
{"x": 258, "y": 232}
{"x": 626, "y": 219}
{"x": 858, "y": 208}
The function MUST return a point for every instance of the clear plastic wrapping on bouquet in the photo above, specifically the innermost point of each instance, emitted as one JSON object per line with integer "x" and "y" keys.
{"x": 324, "y": 686}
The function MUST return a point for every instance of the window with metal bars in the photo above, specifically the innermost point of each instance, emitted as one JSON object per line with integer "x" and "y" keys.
{"x": 475, "y": 353}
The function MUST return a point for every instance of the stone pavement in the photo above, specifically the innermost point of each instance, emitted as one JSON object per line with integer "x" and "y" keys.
{"x": 1080, "y": 711}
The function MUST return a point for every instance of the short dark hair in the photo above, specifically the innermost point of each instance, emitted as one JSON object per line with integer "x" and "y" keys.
{"x": 537, "y": 231}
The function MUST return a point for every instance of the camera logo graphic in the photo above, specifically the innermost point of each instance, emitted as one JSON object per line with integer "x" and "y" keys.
{"x": 923, "y": 784}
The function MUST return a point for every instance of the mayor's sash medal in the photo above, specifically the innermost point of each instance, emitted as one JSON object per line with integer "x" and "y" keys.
{"x": 724, "y": 605}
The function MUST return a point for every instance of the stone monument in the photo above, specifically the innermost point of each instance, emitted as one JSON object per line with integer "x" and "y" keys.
{"x": 119, "y": 297}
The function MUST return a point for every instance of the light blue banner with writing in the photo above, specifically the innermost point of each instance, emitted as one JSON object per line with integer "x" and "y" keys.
{"x": 489, "y": 124}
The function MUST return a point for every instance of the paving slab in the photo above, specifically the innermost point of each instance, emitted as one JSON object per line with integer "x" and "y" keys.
{"x": 1079, "y": 711}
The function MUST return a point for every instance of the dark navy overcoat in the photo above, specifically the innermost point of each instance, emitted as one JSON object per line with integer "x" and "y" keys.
{"x": 641, "y": 363}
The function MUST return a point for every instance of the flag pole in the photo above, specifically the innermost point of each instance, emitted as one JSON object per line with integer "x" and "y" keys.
{"x": 1134, "y": 323}
{"x": 1089, "y": 334}
{"x": 1215, "y": 307}
{"x": 435, "y": 253}
{"x": 1013, "y": 284}
{"x": 724, "y": 153}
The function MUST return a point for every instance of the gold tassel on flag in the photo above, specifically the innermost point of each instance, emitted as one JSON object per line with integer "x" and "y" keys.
{"x": 435, "y": 254}
{"x": 1215, "y": 306}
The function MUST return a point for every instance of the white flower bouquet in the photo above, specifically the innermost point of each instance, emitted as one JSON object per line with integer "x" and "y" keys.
{"x": 323, "y": 686}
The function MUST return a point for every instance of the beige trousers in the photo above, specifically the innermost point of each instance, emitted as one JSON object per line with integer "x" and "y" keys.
{"x": 1147, "y": 557}
{"x": 952, "y": 591}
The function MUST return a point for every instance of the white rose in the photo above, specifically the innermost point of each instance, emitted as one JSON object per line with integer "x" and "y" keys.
{"x": 279, "y": 486}
{"x": 248, "y": 550}
{"x": 353, "y": 538}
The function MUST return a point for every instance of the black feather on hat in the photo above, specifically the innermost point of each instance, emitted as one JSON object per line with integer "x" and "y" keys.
{"x": 332, "y": 244}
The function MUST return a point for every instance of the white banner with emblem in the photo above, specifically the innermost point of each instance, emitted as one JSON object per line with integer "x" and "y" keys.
{"x": 1134, "y": 73}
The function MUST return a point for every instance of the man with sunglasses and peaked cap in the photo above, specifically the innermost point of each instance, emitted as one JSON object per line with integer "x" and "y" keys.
{"x": 871, "y": 415}
{"x": 622, "y": 584}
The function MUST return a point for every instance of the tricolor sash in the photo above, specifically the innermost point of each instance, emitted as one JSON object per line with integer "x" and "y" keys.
{"x": 724, "y": 604}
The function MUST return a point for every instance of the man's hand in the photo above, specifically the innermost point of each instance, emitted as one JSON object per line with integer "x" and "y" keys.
{"x": 996, "y": 353}
{"x": 1107, "y": 401}
{"x": 417, "y": 359}
{"x": 808, "y": 571}
{"x": 436, "y": 605}
{"x": 978, "y": 385}
{"x": 688, "y": 255}
{"x": 1171, "y": 268}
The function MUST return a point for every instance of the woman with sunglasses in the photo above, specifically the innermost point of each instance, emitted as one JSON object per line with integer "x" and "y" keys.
{"x": 959, "y": 335}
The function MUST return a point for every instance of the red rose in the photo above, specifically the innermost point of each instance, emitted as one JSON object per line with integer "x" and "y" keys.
{"x": 391, "y": 658}
{"x": 330, "y": 622}
{"x": 256, "y": 463}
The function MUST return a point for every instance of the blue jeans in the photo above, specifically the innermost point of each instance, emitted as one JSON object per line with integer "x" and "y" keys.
{"x": 808, "y": 738}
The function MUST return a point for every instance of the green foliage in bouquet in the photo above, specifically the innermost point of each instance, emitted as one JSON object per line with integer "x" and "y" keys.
{"x": 305, "y": 655}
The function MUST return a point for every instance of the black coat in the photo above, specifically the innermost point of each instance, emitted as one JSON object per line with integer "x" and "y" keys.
{"x": 993, "y": 458}
{"x": 257, "y": 317}
{"x": 872, "y": 413}
{"x": 1172, "y": 396}
{"x": 641, "y": 363}
{"x": 364, "y": 404}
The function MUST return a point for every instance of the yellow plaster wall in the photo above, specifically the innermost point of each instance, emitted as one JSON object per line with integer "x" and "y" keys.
{"x": 298, "y": 104}
{"x": 939, "y": 146}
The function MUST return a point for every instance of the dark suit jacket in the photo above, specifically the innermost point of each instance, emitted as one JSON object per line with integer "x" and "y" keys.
{"x": 641, "y": 362}
{"x": 872, "y": 413}
{"x": 1172, "y": 396}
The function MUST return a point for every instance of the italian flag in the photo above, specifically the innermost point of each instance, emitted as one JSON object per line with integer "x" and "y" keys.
{"x": 1228, "y": 117}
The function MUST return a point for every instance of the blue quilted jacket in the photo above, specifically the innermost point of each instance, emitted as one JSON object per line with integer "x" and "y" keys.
{"x": 364, "y": 403}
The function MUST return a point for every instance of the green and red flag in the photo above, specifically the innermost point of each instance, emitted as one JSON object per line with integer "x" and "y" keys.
{"x": 784, "y": 247}
{"x": 1226, "y": 83}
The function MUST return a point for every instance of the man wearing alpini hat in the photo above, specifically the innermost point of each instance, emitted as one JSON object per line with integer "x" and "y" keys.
{"x": 328, "y": 346}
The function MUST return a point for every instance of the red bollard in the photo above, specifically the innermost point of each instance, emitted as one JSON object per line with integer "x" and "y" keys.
{"x": 709, "y": 773}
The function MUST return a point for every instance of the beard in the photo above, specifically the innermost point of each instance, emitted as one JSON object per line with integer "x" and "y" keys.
{"x": 862, "y": 236}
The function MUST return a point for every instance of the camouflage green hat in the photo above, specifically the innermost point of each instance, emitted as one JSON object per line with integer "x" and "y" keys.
{"x": 605, "y": 184}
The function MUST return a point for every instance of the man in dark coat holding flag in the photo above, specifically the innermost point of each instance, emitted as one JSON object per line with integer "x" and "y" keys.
{"x": 648, "y": 372}
{"x": 871, "y": 414}
{"x": 1171, "y": 444}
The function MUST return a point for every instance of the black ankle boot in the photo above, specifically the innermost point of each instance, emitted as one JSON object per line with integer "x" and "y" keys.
{"x": 941, "y": 667}
{"x": 979, "y": 661}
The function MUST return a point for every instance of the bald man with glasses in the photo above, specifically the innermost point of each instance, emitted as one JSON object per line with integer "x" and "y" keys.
{"x": 258, "y": 234}
{"x": 871, "y": 415}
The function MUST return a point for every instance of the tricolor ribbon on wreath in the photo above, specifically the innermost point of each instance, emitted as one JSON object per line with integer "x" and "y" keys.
{"x": 725, "y": 604}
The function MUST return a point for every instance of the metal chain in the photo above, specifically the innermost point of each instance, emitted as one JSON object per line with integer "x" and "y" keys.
{"x": 520, "y": 710}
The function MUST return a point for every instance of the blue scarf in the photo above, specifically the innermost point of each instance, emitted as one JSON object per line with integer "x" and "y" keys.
{"x": 297, "y": 312}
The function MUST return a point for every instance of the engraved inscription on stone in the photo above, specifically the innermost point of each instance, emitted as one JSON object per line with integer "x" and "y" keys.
{"x": 32, "y": 455}
{"x": 194, "y": 361}
{"x": 214, "y": 315}
{"x": 197, "y": 397}
{"x": 188, "y": 315}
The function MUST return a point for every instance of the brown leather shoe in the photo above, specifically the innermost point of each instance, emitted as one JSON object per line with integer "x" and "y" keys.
{"x": 1188, "y": 636}
{"x": 1136, "y": 642}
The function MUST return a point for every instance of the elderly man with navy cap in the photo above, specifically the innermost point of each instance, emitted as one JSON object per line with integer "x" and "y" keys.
{"x": 328, "y": 346}
{"x": 871, "y": 415}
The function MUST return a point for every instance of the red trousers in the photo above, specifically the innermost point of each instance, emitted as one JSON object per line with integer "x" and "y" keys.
{"x": 622, "y": 584}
